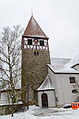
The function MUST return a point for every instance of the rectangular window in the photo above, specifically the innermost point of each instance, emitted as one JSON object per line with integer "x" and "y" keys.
{"x": 36, "y": 53}
{"x": 41, "y": 43}
{"x": 29, "y": 41}
{"x": 72, "y": 79}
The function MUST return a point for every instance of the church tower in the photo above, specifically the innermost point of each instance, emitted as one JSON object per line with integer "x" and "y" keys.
{"x": 35, "y": 57}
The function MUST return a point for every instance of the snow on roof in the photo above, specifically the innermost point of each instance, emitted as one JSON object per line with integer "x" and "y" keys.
{"x": 73, "y": 61}
{"x": 34, "y": 29}
{"x": 64, "y": 65}
{"x": 59, "y": 61}
{"x": 62, "y": 69}
{"x": 46, "y": 85}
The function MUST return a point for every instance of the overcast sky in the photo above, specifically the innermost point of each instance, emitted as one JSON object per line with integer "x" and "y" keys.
{"x": 59, "y": 19}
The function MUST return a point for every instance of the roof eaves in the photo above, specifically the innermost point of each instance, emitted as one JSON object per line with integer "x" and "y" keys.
{"x": 6, "y": 90}
{"x": 55, "y": 72}
{"x": 46, "y": 90}
{"x": 31, "y": 36}
{"x": 66, "y": 73}
{"x": 50, "y": 68}
{"x": 74, "y": 65}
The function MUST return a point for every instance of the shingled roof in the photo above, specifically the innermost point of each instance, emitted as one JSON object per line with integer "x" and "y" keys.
{"x": 33, "y": 29}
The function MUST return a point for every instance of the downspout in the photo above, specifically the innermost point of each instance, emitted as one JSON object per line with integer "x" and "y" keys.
{"x": 55, "y": 98}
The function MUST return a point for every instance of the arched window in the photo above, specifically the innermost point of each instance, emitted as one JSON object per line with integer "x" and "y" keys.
{"x": 44, "y": 98}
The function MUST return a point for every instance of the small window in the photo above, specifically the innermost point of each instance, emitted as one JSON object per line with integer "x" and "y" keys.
{"x": 74, "y": 91}
{"x": 34, "y": 53}
{"x": 56, "y": 98}
{"x": 37, "y": 53}
{"x": 41, "y": 43}
{"x": 72, "y": 79}
{"x": 29, "y": 41}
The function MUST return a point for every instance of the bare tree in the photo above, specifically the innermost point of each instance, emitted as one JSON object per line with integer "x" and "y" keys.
{"x": 76, "y": 86}
{"x": 10, "y": 58}
{"x": 76, "y": 90}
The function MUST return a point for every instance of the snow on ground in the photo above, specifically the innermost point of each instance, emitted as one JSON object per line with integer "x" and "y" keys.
{"x": 41, "y": 113}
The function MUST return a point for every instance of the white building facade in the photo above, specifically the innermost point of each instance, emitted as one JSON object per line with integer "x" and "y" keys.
{"x": 46, "y": 94}
{"x": 63, "y": 75}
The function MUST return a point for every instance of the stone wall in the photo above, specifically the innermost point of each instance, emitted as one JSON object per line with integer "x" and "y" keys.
{"x": 34, "y": 71}
{"x": 5, "y": 109}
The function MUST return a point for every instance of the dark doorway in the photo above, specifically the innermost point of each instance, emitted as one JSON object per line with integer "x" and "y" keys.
{"x": 44, "y": 100}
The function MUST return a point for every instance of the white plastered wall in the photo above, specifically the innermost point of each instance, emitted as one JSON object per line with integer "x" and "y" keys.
{"x": 53, "y": 79}
{"x": 64, "y": 88}
{"x": 51, "y": 98}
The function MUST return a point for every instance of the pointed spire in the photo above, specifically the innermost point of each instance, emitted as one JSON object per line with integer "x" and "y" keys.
{"x": 33, "y": 29}
{"x": 31, "y": 13}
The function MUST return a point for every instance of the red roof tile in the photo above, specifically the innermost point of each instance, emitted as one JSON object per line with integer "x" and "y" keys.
{"x": 33, "y": 29}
